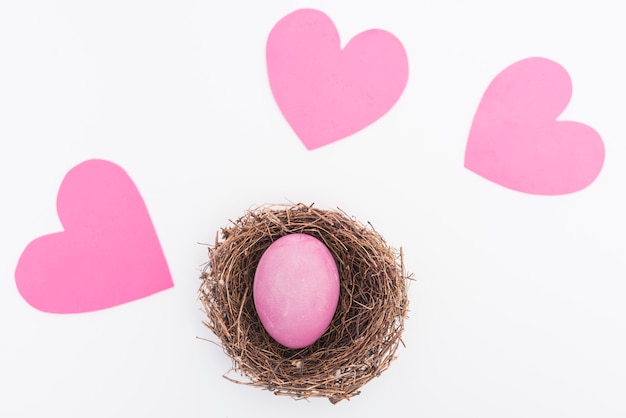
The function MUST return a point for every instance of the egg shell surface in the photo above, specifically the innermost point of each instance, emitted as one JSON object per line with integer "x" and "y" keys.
{"x": 296, "y": 289}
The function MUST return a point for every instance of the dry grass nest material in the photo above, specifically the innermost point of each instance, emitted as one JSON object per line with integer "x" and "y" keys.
{"x": 365, "y": 332}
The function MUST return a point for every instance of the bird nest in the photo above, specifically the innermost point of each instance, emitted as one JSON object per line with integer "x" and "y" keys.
{"x": 365, "y": 332}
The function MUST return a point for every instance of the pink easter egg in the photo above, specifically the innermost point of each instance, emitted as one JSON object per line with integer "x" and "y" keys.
{"x": 296, "y": 290}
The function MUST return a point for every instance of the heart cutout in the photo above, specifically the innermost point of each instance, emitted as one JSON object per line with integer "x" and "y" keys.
{"x": 326, "y": 93}
{"x": 108, "y": 253}
{"x": 516, "y": 141}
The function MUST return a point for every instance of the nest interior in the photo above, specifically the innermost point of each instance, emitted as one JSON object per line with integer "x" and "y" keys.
{"x": 364, "y": 333}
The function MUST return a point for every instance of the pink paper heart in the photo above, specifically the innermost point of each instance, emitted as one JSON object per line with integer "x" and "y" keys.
{"x": 326, "y": 93}
{"x": 516, "y": 141}
{"x": 108, "y": 253}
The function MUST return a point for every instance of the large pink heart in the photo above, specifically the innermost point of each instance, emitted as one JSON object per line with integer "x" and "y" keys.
{"x": 516, "y": 141}
{"x": 326, "y": 93}
{"x": 108, "y": 253}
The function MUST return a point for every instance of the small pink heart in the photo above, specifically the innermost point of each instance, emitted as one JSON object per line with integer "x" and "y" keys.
{"x": 326, "y": 93}
{"x": 516, "y": 141}
{"x": 108, "y": 253}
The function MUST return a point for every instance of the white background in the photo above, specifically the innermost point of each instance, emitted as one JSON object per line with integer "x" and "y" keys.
{"x": 517, "y": 308}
